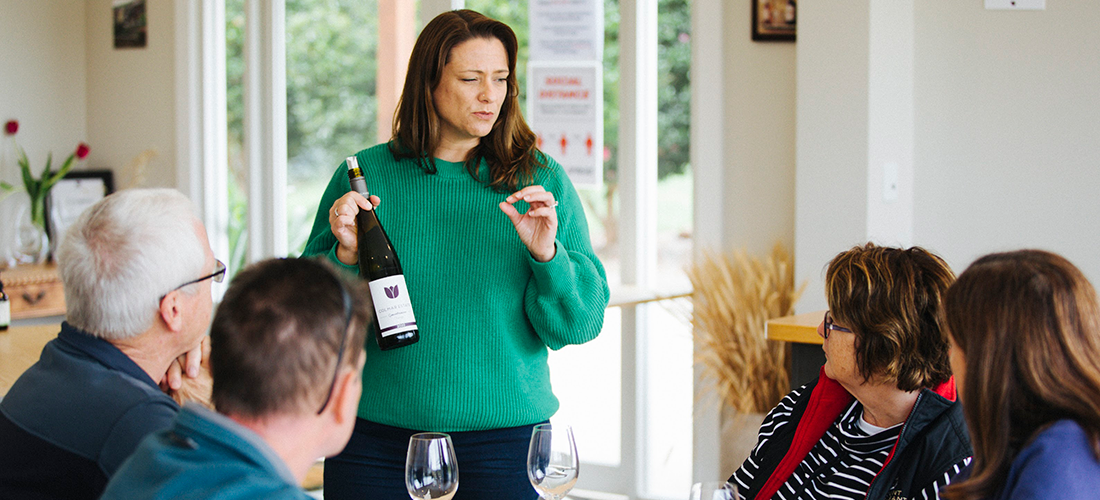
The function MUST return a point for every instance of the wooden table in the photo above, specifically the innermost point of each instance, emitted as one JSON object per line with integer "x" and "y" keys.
{"x": 801, "y": 328}
{"x": 806, "y": 354}
{"x": 20, "y": 347}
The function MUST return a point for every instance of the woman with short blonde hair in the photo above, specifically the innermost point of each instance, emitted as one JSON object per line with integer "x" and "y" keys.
{"x": 881, "y": 422}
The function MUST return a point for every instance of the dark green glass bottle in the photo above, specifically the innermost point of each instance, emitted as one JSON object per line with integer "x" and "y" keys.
{"x": 394, "y": 323}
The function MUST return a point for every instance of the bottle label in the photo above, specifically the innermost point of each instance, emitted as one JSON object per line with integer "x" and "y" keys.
{"x": 5, "y": 313}
{"x": 391, "y": 305}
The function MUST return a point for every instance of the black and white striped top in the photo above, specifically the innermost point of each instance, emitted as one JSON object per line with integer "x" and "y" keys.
{"x": 843, "y": 462}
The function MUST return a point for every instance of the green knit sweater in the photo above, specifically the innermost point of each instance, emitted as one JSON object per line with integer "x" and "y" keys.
{"x": 486, "y": 310}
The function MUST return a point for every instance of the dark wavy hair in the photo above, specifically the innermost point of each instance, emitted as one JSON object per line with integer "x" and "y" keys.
{"x": 1028, "y": 325}
{"x": 509, "y": 149}
{"x": 891, "y": 300}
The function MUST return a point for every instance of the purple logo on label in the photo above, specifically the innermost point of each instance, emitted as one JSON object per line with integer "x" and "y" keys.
{"x": 392, "y": 291}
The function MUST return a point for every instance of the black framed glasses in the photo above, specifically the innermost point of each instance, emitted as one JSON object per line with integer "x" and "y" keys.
{"x": 218, "y": 275}
{"x": 343, "y": 343}
{"x": 829, "y": 325}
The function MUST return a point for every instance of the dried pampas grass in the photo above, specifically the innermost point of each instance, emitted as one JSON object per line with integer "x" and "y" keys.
{"x": 734, "y": 295}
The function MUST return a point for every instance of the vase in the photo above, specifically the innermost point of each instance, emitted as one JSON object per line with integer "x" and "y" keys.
{"x": 740, "y": 432}
{"x": 31, "y": 244}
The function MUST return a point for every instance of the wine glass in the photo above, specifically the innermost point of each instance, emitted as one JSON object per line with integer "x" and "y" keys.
{"x": 431, "y": 471}
{"x": 713, "y": 490}
{"x": 552, "y": 461}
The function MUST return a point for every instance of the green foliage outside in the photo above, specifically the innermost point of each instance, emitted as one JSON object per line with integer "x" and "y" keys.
{"x": 673, "y": 62}
{"x": 331, "y": 108}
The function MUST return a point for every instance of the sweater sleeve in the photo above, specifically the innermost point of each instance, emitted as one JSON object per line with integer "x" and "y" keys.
{"x": 566, "y": 296}
{"x": 321, "y": 240}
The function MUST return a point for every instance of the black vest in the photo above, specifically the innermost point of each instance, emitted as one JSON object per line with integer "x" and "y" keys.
{"x": 933, "y": 439}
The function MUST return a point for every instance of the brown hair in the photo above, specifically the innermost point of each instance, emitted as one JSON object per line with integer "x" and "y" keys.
{"x": 1028, "y": 326}
{"x": 509, "y": 149}
{"x": 276, "y": 336}
{"x": 891, "y": 300}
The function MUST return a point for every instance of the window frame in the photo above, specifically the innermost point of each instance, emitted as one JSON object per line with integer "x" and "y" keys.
{"x": 202, "y": 173}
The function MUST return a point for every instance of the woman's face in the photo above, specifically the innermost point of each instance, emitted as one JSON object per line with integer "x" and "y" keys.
{"x": 471, "y": 90}
{"x": 840, "y": 354}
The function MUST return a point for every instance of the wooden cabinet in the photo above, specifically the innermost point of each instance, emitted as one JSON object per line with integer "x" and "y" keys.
{"x": 35, "y": 291}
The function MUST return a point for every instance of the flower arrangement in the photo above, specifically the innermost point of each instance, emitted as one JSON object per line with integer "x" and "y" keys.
{"x": 38, "y": 188}
{"x": 734, "y": 296}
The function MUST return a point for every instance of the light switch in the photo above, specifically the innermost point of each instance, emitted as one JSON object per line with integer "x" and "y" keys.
{"x": 1015, "y": 4}
{"x": 890, "y": 182}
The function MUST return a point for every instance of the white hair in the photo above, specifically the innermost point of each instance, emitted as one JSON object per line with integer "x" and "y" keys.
{"x": 123, "y": 254}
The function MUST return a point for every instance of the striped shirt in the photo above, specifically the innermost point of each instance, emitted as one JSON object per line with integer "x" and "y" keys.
{"x": 842, "y": 464}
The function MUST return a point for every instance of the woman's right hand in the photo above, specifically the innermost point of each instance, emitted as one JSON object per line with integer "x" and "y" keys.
{"x": 341, "y": 219}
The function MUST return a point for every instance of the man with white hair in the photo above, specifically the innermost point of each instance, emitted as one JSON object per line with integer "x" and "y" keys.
{"x": 287, "y": 354}
{"x": 137, "y": 268}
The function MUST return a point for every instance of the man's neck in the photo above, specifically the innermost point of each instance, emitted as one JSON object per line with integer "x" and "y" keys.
{"x": 146, "y": 351}
{"x": 290, "y": 437}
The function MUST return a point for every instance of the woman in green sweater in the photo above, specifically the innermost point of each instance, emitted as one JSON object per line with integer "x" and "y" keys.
{"x": 495, "y": 249}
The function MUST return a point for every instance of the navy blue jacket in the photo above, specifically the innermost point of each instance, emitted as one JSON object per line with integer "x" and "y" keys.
{"x": 74, "y": 416}
{"x": 933, "y": 439}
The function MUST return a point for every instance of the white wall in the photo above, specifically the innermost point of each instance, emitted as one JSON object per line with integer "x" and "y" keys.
{"x": 759, "y": 151}
{"x": 1008, "y": 130}
{"x": 42, "y": 81}
{"x": 833, "y": 56}
{"x": 131, "y": 94}
{"x": 1005, "y": 130}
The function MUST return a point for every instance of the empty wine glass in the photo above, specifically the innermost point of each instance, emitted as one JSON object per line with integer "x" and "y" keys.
{"x": 713, "y": 490}
{"x": 552, "y": 461}
{"x": 431, "y": 471}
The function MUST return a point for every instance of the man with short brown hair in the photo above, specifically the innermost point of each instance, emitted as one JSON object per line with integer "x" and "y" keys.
{"x": 286, "y": 356}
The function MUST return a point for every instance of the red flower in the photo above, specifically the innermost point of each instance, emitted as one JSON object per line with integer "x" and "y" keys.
{"x": 11, "y": 127}
{"x": 82, "y": 151}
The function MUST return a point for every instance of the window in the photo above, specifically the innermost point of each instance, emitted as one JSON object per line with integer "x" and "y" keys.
{"x": 628, "y": 393}
{"x": 634, "y": 424}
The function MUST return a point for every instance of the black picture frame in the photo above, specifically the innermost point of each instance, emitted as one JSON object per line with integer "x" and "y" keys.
{"x": 774, "y": 20}
{"x": 74, "y": 193}
{"x": 130, "y": 24}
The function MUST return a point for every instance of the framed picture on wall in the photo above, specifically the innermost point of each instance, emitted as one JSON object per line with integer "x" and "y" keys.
{"x": 130, "y": 23}
{"x": 774, "y": 20}
{"x": 72, "y": 194}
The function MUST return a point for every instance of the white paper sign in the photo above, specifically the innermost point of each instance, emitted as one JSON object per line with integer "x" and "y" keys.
{"x": 566, "y": 112}
{"x": 565, "y": 30}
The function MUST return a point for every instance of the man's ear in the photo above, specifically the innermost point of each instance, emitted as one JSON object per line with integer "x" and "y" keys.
{"x": 171, "y": 311}
{"x": 345, "y": 395}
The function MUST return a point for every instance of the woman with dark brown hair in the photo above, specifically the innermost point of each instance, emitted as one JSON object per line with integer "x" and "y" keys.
{"x": 881, "y": 422}
{"x": 497, "y": 260}
{"x": 1025, "y": 334}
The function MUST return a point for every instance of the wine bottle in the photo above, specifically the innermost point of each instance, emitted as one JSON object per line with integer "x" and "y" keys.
{"x": 394, "y": 324}
{"x": 5, "y": 309}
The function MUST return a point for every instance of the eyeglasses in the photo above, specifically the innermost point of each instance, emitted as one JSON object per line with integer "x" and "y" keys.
{"x": 829, "y": 325}
{"x": 218, "y": 275}
{"x": 343, "y": 344}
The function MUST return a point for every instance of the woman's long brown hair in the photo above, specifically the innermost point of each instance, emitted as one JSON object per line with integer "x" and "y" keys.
{"x": 1028, "y": 325}
{"x": 509, "y": 149}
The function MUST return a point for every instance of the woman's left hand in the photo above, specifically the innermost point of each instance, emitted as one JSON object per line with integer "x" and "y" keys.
{"x": 538, "y": 228}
